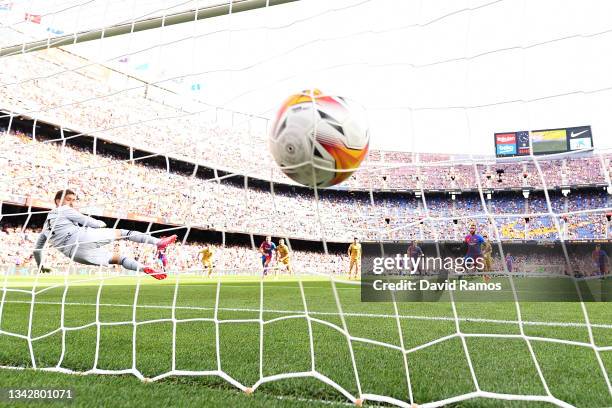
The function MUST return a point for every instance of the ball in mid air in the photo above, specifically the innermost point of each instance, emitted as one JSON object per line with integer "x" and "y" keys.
{"x": 319, "y": 140}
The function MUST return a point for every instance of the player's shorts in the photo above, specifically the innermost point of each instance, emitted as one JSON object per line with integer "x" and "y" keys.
{"x": 477, "y": 260}
{"x": 488, "y": 262}
{"x": 89, "y": 247}
{"x": 265, "y": 259}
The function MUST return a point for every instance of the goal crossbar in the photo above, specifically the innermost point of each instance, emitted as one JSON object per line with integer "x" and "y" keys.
{"x": 217, "y": 10}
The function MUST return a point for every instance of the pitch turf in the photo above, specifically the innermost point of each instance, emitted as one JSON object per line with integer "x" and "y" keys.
{"x": 437, "y": 372}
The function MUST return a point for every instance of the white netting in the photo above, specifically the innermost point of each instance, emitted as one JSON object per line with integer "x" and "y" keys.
{"x": 45, "y": 87}
{"x": 310, "y": 317}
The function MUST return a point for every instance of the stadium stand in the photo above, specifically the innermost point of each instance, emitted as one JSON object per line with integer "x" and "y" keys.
{"x": 84, "y": 100}
{"x": 120, "y": 187}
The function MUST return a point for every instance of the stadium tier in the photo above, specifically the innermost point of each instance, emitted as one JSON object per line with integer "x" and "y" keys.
{"x": 131, "y": 189}
{"x": 85, "y": 100}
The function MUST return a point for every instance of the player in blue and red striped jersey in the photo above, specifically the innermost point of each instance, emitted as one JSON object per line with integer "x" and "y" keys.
{"x": 267, "y": 249}
{"x": 474, "y": 253}
{"x": 162, "y": 259}
{"x": 600, "y": 260}
{"x": 414, "y": 253}
{"x": 509, "y": 262}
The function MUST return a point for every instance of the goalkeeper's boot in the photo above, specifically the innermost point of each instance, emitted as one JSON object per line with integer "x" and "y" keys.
{"x": 164, "y": 242}
{"x": 156, "y": 274}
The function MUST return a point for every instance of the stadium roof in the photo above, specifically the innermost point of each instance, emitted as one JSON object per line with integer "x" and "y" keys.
{"x": 434, "y": 75}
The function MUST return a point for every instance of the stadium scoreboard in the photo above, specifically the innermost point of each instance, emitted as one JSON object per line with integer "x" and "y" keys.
{"x": 546, "y": 141}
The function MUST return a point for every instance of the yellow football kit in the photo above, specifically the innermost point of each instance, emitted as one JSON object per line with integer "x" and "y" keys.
{"x": 283, "y": 254}
{"x": 207, "y": 255}
{"x": 487, "y": 252}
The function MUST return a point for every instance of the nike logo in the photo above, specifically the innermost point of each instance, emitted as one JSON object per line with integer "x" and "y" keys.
{"x": 577, "y": 134}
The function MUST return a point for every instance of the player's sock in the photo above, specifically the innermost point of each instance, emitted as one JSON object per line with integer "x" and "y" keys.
{"x": 131, "y": 264}
{"x": 139, "y": 237}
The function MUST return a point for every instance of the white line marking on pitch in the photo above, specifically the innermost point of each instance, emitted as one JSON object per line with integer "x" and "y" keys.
{"x": 348, "y": 314}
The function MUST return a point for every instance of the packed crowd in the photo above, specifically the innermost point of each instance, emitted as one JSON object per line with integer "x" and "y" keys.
{"x": 120, "y": 187}
{"x": 51, "y": 87}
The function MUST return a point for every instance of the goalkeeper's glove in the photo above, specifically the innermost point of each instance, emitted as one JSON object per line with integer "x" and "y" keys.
{"x": 44, "y": 269}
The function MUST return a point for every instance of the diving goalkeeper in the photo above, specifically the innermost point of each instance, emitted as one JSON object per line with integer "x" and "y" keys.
{"x": 82, "y": 238}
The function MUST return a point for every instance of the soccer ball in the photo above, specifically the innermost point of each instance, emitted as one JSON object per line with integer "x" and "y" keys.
{"x": 319, "y": 140}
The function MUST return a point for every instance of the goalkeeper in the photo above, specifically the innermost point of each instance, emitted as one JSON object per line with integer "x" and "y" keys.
{"x": 81, "y": 238}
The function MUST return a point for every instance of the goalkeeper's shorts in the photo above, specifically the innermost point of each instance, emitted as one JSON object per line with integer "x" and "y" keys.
{"x": 89, "y": 248}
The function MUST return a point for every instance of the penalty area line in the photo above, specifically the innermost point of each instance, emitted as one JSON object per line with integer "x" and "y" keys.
{"x": 348, "y": 314}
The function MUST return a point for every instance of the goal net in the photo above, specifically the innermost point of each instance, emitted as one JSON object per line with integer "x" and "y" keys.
{"x": 156, "y": 115}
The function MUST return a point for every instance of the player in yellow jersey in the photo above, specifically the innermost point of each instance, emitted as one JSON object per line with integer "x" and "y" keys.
{"x": 206, "y": 256}
{"x": 283, "y": 255}
{"x": 487, "y": 254}
{"x": 354, "y": 252}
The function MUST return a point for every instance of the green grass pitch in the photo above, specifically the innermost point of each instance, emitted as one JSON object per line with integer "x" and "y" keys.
{"x": 437, "y": 372}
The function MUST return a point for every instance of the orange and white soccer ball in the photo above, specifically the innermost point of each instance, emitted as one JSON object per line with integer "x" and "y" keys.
{"x": 319, "y": 140}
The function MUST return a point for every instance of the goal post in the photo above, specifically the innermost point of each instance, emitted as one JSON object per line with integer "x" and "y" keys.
{"x": 143, "y": 24}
